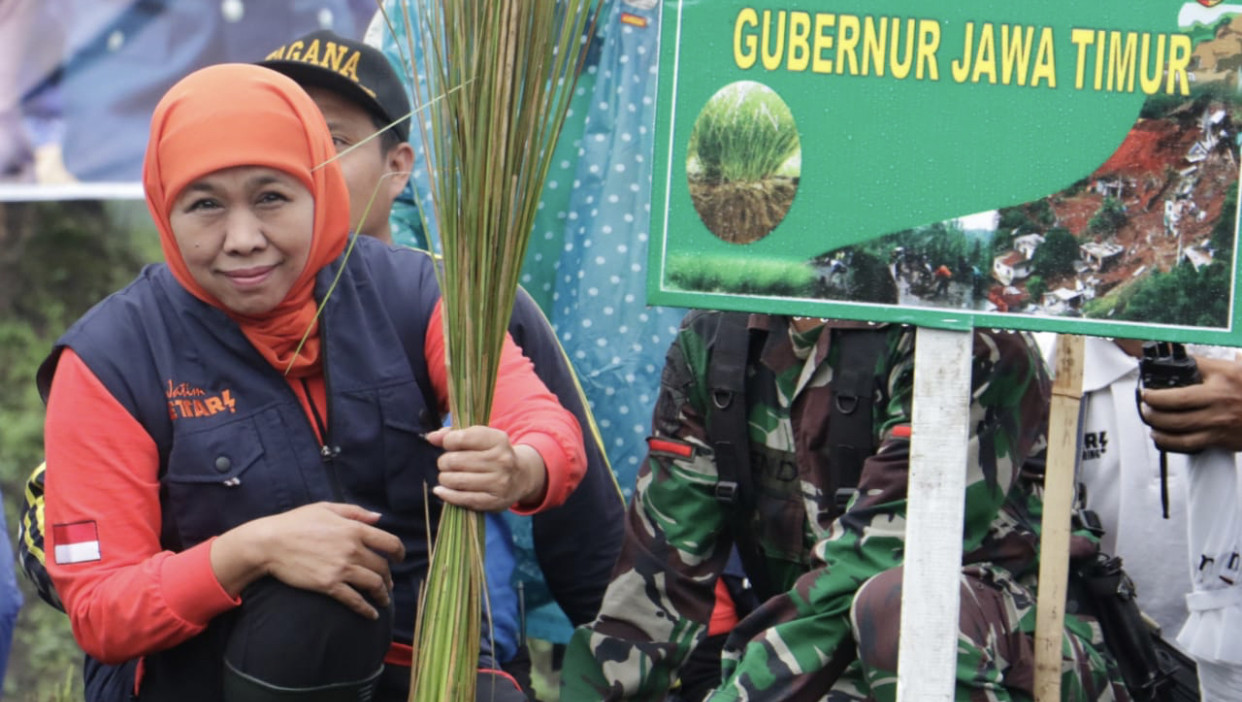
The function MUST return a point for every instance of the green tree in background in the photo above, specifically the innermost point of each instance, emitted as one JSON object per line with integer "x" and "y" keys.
{"x": 870, "y": 280}
{"x": 1222, "y": 233}
{"x": 1056, "y": 255}
{"x": 56, "y": 260}
{"x": 1109, "y": 218}
{"x": 1182, "y": 296}
{"x": 1036, "y": 287}
{"x": 1029, "y": 218}
{"x": 1012, "y": 218}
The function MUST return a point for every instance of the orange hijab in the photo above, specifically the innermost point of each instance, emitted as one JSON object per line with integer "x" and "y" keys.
{"x": 243, "y": 115}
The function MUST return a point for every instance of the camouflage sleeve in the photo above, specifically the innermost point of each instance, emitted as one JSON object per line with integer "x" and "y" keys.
{"x": 782, "y": 651}
{"x": 676, "y": 543}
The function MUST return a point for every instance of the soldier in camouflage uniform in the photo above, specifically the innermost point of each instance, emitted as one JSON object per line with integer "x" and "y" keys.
{"x": 839, "y": 575}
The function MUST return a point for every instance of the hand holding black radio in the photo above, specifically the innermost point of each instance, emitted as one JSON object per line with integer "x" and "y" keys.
{"x": 1166, "y": 364}
{"x": 1190, "y": 403}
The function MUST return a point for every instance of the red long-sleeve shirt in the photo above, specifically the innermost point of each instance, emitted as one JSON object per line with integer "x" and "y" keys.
{"x": 103, "y": 469}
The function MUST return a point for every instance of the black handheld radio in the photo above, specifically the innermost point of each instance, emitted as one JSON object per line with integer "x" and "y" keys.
{"x": 1165, "y": 364}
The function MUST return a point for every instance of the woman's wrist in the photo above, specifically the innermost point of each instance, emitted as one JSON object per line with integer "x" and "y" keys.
{"x": 533, "y": 476}
{"x": 237, "y": 557}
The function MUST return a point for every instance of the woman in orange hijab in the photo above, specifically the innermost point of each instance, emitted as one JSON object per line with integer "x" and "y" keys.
{"x": 238, "y": 443}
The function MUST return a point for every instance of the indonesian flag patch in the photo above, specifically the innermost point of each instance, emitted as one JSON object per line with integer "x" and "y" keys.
{"x": 76, "y": 543}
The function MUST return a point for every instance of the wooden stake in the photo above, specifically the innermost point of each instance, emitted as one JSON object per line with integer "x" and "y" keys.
{"x": 927, "y": 648}
{"x": 1058, "y": 503}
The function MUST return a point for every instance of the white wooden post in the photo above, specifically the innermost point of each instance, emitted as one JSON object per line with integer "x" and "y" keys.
{"x": 927, "y": 648}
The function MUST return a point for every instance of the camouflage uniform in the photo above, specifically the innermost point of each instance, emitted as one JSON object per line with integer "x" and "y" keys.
{"x": 842, "y": 575}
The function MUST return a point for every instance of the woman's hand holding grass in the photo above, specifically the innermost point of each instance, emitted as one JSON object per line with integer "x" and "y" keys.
{"x": 481, "y": 470}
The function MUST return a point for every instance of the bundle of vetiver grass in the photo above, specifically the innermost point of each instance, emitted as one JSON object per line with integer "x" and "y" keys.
{"x": 502, "y": 73}
{"x": 744, "y": 134}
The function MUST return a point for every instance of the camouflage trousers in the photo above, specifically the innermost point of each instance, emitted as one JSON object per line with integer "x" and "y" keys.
{"x": 995, "y": 645}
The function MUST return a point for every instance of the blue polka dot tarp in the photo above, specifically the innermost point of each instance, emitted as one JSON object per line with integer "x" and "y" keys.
{"x": 616, "y": 342}
{"x": 587, "y": 257}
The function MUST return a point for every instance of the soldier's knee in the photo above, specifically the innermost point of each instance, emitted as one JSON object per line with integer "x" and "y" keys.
{"x": 986, "y": 616}
{"x": 875, "y": 617}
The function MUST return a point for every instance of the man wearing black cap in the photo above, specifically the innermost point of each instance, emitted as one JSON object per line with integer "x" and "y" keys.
{"x": 358, "y": 92}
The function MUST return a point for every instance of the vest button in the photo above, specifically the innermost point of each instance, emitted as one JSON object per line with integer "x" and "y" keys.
{"x": 223, "y": 464}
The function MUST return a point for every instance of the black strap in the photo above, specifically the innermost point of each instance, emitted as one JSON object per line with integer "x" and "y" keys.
{"x": 728, "y": 431}
{"x": 851, "y": 439}
{"x": 728, "y": 427}
{"x": 850, "y": 436}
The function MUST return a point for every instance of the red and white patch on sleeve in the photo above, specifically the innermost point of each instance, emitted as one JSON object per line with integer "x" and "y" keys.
{"x": 76, "y": 543}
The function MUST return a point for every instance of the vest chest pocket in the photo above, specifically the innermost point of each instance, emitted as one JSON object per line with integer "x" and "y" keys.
{"x": 409, "y": 460}
{"x": 214, "y": 483}
{"x": 781, "y": 512}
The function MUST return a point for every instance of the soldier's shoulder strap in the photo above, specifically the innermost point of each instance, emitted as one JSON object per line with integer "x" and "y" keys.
{"x": 728, "y": 339}
{"x": 851, "y": 436}
{"x": 850, "y": 432}
{"x": 727, "y": 424}
{"x": 855, "y": 390}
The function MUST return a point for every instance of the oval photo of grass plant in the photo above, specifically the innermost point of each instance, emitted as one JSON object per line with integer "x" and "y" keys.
{"x": 743, "y": 162}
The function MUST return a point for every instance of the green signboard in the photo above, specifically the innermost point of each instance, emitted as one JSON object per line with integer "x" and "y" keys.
{"x": 1058, "y": 166}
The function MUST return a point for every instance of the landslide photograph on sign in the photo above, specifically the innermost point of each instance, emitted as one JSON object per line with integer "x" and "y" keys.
{"x": 1148, "y": 236}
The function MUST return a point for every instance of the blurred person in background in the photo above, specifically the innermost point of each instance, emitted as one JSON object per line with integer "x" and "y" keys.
{"x": 10, "y": 598}
{"x": 79, "y": 99}
{"x": 1204, "y": 421}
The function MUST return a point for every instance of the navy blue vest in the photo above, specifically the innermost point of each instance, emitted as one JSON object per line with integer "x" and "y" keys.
{"x": 235, "y": 443}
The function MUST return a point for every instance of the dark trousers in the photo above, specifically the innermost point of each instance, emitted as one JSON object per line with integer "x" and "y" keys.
{"x": 518, "y": 668}
{"x": 108, "y": 683}
{"x": 280, "y": 635}
{"x": 290, "y": 638}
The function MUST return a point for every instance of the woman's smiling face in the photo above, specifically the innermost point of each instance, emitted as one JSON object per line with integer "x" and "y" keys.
{"x": 245, "y": 235}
